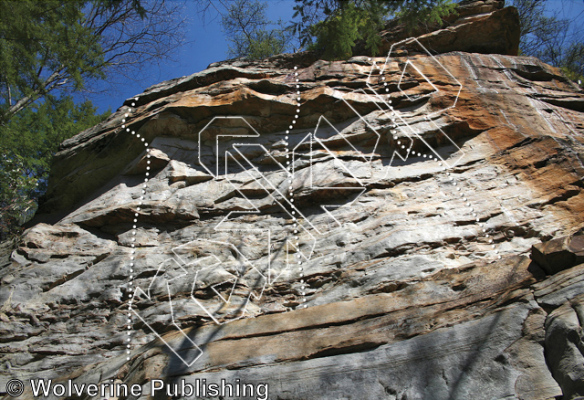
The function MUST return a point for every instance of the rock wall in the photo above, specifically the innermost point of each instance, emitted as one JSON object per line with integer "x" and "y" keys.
{"x": 399, "y": 227}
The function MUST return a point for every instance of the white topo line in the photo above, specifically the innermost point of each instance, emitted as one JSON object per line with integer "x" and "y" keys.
{"x": 290, "y": 167}
{"x": 130, "y": 284}
{"x": 482, "y": 228}
{"x": 294, "y": 242}
{"x": 297, "y": 256}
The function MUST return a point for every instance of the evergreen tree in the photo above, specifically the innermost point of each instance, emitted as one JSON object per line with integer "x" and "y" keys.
{"x": 336, "y": 35}
{"x": 332, "y": 27}
{"x": 38, "y": 41}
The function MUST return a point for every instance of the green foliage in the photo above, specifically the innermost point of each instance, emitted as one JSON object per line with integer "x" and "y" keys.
{"x": 248, "y": 30}
{"x": 27, "y": 144}
{"x": 336, "y": 35}
{"x": 54, "y": 46}
{"x": 266, "y": 43}
{"x": 332, "y": 27}
{"x": 39, "y": 39}
{"x": 425, "y": 12}
{"x": 16, "y": 191}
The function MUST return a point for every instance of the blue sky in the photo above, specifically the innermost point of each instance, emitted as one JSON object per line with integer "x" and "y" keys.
{"x": 209, "y": 45}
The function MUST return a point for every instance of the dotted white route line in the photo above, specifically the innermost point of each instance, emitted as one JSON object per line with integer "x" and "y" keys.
{"x": 290, "y": 167}
{"x": 130, "y": 282}
{"x": 482, "y": 228}
{"x": 296, "y": 223}
{"x": 295, "y": 242}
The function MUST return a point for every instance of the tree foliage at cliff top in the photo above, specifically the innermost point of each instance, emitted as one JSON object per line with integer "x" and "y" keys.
{"x": 332, "y": 27}
{"x": 329, "y": 27}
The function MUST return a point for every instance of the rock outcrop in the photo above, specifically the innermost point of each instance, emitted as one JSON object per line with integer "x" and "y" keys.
{"x": 400, "y": 227}
{"x": 482, "y": 26}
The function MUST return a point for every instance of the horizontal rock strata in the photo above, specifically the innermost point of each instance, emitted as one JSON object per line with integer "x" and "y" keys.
{"x": 400, "y": 227}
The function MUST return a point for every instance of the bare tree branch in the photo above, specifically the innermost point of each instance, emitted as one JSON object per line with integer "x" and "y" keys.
{"x": 127, "y": 39}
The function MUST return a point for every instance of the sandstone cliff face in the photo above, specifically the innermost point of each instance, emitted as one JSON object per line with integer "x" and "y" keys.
{"x": 360, "y": 229}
